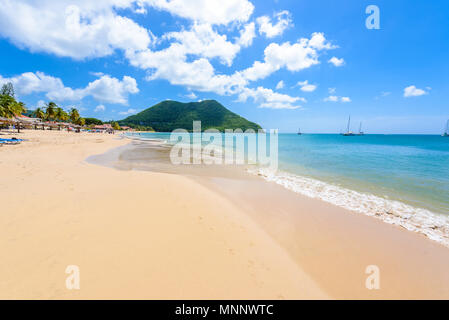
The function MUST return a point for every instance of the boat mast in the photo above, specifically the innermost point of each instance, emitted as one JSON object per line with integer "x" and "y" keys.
{"x": 349, "y": 123}
{"x": 360, "y": 128}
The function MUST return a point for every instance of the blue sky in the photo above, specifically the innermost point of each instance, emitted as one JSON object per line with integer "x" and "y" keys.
{"x": 283, "y": 64}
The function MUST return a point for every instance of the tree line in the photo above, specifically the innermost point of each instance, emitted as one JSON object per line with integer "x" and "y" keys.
{"x": 11, "y": 108}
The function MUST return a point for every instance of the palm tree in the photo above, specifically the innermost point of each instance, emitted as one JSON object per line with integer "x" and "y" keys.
{"x": 39, "y": 113}
{"x": 81, "y": 121}
{"x": 61, "y": 115}
{"x": 74, "y": 115}
{"x": 50, "y": 111}
{"x": 19, "y": 108}
{"x": 7, "y": 106}
{"x": 10, "y": 108}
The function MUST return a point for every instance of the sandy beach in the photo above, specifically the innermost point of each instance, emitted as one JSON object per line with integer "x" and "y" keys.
{"x": 152, "y": 235}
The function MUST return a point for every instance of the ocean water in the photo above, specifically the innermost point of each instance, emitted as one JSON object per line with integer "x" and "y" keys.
{"x": 401, "y": 179}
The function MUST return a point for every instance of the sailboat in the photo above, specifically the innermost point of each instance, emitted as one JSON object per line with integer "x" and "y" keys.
{"x": 348, "y": 133}
{"x": 361, "y": 133}
{"x": 299, "y": 132}
{"x": 446, "y": 132}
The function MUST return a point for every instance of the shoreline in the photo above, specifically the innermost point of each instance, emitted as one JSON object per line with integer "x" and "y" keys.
{"x": 274, "y": 208}
{"x": 420, "y": 220}
{"x": 168, "y": 236}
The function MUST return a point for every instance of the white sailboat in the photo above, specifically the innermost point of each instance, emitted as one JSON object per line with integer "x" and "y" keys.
{"x": 348, "y": 133}
{"x": 446, "y": 132}
{"x": 361, "y": 133}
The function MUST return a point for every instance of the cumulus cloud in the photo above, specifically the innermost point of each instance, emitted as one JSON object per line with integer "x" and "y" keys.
{"x": 270, "y": 30}
{"x": 100, "y": 108}
{"x": 207, "y": 11}
{"x": 294, "y": 57}
{"x": 247, "y": 34}
{"x": 192, "y": 96}
{"x": 172, "y": 65}
{"x": 333, "y": 98}
{"x": 267, "y": 98}
{"x": 104, "y": 89}
{"x": 79, "y": 31}
{"x": 111, "y": 90}
{"x": 128, "y": 112}
{"x": 337, "y": 62}
{"x": 306, "y": 86}
{"x": 87, "y": 29}
{"x": 280, "y": 85}
{"x": 413, "y": 91}
{"x": 202, "y": 40}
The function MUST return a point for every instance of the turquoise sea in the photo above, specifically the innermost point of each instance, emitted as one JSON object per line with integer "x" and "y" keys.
{"x": 402, "y": 179}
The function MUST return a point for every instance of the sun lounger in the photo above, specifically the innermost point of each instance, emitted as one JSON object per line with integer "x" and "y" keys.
{"x": 10, "y": 141}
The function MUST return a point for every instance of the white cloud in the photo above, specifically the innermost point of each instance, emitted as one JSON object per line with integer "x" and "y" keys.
{"x": 247, "y": 34}
{"x": 104, "y": 89}
{"x": 97, "y": 74}
{"x": 333, "y": 98}
{"x": 171, "y": 64}
{"x": 111, "y": 90}
{"x": 203, "y": 41}
{"x": 332, "y": 90}
{"x": 298, "y": 56}
{"x": 267, "y": 98}
{"x": 87, "y": 29}
{"x": 128, "y": 112}
{"x": 192, "y": 96}
{"x": 413, "y": 91}
{"x": 100, "y": 108}
{"x": 283, "y": 21}
{"x": 199, "y": 75}
{"x": 97, "y": 28}
{"x": 306, "y": 86}
{"x": 280, "y": 85}
{"x": 207, "y": 11}
{"x": 337, "y": 62}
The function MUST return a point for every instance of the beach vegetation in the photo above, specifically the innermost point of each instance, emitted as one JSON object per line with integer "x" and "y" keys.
{"x": 9, "y": 106}
{"x": 61, "y": 115}
{"x": 115, "y": 125}
{"x": 50, "y": 110}
{"x": 74, "y": 115}
{"x": 39, "y": 113}
{"x": 93, "y": 121}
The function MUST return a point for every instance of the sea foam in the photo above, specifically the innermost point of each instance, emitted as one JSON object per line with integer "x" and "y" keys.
{"x": 434, "y": 226}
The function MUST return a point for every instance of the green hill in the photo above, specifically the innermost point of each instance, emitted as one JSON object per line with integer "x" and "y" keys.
{"x": 169, "y": 115}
